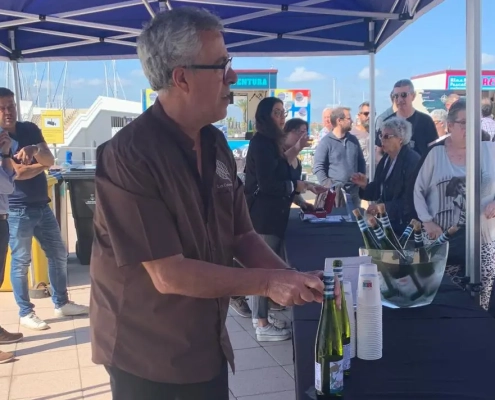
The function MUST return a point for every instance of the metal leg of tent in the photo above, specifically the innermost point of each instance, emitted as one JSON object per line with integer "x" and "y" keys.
{"x": 473, "y": 143}
{"x": 372, "y": 103}
{"x": 17, "y": 82}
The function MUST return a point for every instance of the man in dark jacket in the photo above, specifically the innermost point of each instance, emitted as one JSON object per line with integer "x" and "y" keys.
{"x": 338, "y": 156}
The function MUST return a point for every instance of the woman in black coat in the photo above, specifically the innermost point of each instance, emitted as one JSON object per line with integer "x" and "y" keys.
{"x": 393, "y": 175}
{"x": 270, "y": 187}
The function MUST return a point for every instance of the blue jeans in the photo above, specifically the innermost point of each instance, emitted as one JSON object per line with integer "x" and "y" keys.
{"x": 40, "y": 222}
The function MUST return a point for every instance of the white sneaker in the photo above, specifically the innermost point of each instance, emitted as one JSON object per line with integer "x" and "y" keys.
{"x": 32, "y": 321}
{"x": 71, "y": 309}
{"x": 271, "y": 333}
{"x": 272, "y": 320}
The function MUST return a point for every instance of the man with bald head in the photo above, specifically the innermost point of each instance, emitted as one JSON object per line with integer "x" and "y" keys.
{"x": 327, "y": 123}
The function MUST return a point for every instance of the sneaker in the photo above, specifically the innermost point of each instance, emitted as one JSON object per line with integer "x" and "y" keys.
{"x": 272, "y": 320}
{"x": 71, "y": 309}
{"x": 6, "y": 357}
{"x": 275, "y": 307}
{"x": 8, "y": 338}
{"x": 240, "y": 306}
{"x": 32, "y": 321}
{"x": 271, "y": 333}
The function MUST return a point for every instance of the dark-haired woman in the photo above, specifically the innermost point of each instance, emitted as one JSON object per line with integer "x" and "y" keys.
{"x": 271, "y": 186}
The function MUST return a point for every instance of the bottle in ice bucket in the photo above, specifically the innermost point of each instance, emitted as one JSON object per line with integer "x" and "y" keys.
{"x": 387, "y": 228}
{"x": 368, "y": 237}
{"x": 338, "y": 270}
{"x": 407, "y": 233}
{"x": 444, "y": 237}
{"x": 419, "y": 244}
{"x": 383, "y": 241}
{"x": 329, "y": 352}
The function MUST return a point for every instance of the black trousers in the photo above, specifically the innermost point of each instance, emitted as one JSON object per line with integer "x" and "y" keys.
{"x": 126, "y": 386}
{"x": 4, "y": 246}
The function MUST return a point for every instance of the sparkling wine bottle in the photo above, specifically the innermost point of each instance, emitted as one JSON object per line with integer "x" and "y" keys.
{"x": 444, "y": 237}
{"x": 345, "y": 326}
{"x": 383, "y": 241}
{"x": 368, "y": 237}
{"x": 407, "y": 233}
{"x": 329, "y": 352}
{"x": 387, "y": 227}
{"x": 419, "y": 244}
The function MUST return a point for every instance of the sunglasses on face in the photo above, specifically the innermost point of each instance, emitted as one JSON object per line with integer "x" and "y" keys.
{"x": 387, "y": 136}
{"x": 225, "y": 66}
{"x": 365, "y": 113}
{"x": 402, "y": 95}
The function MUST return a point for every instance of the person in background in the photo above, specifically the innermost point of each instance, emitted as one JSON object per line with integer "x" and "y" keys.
{"x": 31, "y": 216}
{"x": 378, "y": 124}
{"x": 423, "y": 128}
{"x": 271, "y": 186}
{"x": 451, "y": 99}
{"x": 7, "y": 174}
{"x": 393, "y": 173}
{"x": 327, "y": 123}
{"x": 171, "y": 216}
{"x": 361, "y": 131}
{"x": 487, "y": 122}
{"x": 338, "y": 156}
{"x": 439, "y": 117}
{"x": 440, "y": 196}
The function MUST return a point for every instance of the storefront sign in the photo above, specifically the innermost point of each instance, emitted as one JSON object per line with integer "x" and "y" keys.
{"x": 255, "y": 81}
{"x": 458, "y": 82}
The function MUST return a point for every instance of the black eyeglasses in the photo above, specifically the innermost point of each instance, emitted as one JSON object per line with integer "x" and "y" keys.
{"x": 395, "y": 96}
{"x": 386, "y": 136}
{"x": 279, "y": 113}
{"x": 226, "y": 66}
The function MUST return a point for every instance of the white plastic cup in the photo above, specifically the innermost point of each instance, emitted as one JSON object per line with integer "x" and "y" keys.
{"x": 368, "y": 268}
{"x": 368, "y": 292}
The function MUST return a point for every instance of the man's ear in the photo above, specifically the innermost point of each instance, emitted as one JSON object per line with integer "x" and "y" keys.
{"x": 179, "y": 79}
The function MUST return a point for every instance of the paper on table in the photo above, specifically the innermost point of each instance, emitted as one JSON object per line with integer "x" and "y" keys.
{"x": 330, "y": 219}
{"x": 351, "y": 269}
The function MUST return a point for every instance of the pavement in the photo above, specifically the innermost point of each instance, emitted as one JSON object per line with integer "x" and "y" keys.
{"x": 56, "y": 364}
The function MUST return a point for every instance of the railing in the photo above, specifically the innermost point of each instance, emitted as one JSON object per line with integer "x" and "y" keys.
{"x": 80, "y": 155}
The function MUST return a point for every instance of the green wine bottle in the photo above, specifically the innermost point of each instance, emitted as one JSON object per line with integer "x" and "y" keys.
{"x": 345, "y": 326}
{"x": 369, "y": 239}
{"x": 444, "y": 237}
{"x": 419, "y": 244}
{"x": 329, "y": 352}
{"x": 383, "y": 241}
{"x": 406, "y": 234}
{"x": 387, "y": 227}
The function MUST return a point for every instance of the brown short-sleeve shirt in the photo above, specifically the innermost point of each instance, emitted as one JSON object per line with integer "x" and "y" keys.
{"x": 152, "y": 203}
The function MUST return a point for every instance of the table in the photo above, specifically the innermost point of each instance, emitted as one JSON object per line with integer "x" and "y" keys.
{"x": 442, "y": 351}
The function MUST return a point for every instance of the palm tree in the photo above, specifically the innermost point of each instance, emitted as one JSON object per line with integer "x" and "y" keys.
{"x": 242, "y": 104}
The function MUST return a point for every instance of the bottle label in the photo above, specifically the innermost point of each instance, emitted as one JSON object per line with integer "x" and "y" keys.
{"x": 347, "y": 357}
{"x": 336, "y": 376}
{"x": 406, "y": 286}
{"x": 318, "y": 377}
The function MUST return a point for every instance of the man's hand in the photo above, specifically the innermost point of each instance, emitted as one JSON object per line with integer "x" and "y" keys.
{"x": 26, "y": 154}
{"x": 432, "y": 229}
{"x": 5, "y": 142}
{"x": 290, "y": 288}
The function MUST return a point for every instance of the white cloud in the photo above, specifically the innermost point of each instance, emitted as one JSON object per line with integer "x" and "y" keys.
{"x": 78, "y": 82}
{"x": 137, "y": 73}
{"x": 487, "y": 59}
{"x": 301, "y": 74}
{"x": 365, "y": 73}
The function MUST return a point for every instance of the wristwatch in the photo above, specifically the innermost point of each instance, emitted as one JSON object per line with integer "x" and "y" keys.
{"x": 8, "y": 155}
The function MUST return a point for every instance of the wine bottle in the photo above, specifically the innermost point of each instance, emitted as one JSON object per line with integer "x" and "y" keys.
{"x": 406, "y": 234}
{"x": 419, "y": 244}
{"x": 383, "y": 241}
{"x": 329, "y": 352}
{"x": 444, "y": 237}
{"x": 368, "y": 237}
{"x": 387, "y": 227}
{"x": 345, "y": 324}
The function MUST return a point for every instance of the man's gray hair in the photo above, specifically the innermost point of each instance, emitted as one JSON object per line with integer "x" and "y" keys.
{"x": 400, "y": 127}
{"x": 338, "y": 113}
{"x": 364, "y": 104}
{"x": 171, "y": 40}
{"x": 404, "y": 82}
{"x": 439, "y": 115}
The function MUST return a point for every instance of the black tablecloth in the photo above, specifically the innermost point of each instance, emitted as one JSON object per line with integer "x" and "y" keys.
{"x": 442, "y": 351}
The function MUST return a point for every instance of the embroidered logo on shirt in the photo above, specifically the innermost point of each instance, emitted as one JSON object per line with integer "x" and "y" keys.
{"x": 224, "y": 174}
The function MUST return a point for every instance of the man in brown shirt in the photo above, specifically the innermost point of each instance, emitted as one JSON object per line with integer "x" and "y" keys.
{"x": 169, "y": 219}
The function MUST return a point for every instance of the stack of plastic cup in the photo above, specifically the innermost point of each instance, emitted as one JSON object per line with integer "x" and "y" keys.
{"x": 369, "y": 314}
{"x": 352, "y": 316}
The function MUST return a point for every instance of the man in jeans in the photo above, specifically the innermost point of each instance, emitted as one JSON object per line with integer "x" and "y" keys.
{"x": 31, "y": 216}
{"x": 6, "y": 187}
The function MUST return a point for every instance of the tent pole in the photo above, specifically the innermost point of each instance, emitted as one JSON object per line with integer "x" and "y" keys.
{"x": 372, "y": 129}
{"x": 473, "y": 144}
{"x": 17, "y": 82}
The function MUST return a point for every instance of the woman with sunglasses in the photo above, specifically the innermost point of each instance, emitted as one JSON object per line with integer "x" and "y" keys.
{"x": 271, "y": 186}
{"x": 440, "y": 197}
{"x": 392, "y": 174}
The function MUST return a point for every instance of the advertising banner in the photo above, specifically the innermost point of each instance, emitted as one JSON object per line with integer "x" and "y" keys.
{"x": 297, "y": 102}
{"x": 148, "y": 97}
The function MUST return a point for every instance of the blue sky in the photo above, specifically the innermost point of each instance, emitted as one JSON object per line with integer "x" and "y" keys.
{"x": 434, "y": 42}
